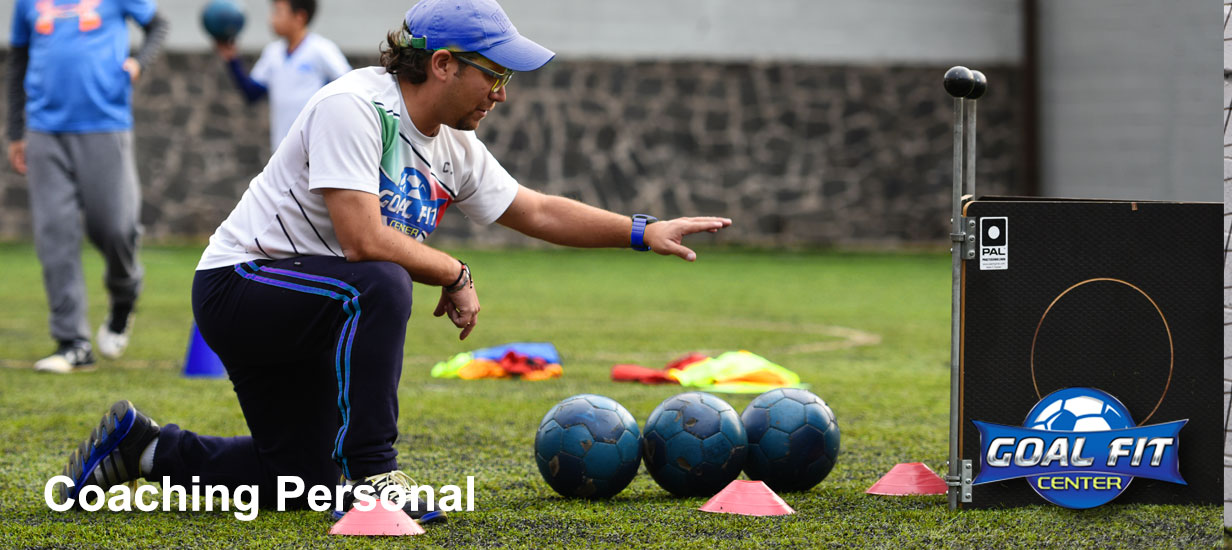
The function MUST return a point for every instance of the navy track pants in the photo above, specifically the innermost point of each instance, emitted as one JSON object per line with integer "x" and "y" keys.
{"x": 313, "y": 346}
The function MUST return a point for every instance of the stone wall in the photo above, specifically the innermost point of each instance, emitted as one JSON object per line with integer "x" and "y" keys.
{"x": 794, "y": 153}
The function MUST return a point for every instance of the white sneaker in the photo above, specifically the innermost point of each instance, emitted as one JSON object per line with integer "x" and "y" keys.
{"x": 70, "y": 357}
{"x": 112, "y": 344}
{"x": 415, "y": 507}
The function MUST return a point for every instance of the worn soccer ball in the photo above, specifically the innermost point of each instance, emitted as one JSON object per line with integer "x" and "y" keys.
{"x": 793, "y": 439}
{"x": 223, "y": 19}
{"x": 1079, "y": 410}
{"x": 694, "y": 444}
{"x": 588, "y": 446}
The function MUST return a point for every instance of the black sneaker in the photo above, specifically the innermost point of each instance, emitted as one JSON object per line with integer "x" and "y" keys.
{"x": 71, "y": 356}
{"x": 112, "y": 454}
{"x": 417, "y": 509}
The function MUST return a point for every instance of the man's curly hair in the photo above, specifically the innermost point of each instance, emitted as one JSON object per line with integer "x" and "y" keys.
{"x": 398, "y": 57}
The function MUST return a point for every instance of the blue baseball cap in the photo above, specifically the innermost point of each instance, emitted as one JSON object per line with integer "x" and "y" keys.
{"x": 479, "y": 26}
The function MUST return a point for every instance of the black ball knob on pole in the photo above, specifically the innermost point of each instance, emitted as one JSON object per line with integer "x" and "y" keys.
{"x": 959, "y": 81}
{"x": 980, "y": 85}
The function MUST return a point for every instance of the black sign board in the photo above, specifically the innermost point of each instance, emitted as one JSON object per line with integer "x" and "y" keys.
{"x": 1121, "y": 296}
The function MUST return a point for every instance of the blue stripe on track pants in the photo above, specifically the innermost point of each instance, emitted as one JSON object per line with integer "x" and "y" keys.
{"x": 313, "y": 346}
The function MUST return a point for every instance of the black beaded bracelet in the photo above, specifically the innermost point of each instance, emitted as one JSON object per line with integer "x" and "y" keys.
{"x": 464, "y": 279}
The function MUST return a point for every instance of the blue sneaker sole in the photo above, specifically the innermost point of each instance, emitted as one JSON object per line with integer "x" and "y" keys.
{"x": 111, "y": 442}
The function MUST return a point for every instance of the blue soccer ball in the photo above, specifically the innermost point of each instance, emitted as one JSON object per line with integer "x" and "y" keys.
{"x": 793, "y": 439}
{"x": 588, "y": 446}
{"x": 223, "y": 19}
{"x": 694, "y": 444}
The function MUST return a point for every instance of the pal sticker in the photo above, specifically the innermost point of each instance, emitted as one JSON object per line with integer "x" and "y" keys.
{"x": 994, "y": 243}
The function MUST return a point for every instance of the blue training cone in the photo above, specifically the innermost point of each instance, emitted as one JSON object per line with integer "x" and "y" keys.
{"x": 201, "y": 361}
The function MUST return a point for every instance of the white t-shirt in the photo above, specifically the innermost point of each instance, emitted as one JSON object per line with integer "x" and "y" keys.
{"x": 357, "y": 135}
{"x": 292, "y": 79}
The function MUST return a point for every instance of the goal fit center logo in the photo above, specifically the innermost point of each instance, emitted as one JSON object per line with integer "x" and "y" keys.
{"x": 414, "y": 204}
{"x": 1079, "y": 449}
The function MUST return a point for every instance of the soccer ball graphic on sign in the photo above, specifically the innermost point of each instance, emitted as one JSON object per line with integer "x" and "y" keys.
{"x": 793, "y": 439}
{"x": 1079, "y": 410}
{"x": 1079, "y": 413}
{"x": 695, "y": 444}
{"x": 588, "y": 446}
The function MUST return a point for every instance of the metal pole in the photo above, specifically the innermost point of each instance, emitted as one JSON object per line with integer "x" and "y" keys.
{"x": 979, "y": 85}
{"x": 956, "y": 237}
{"x": 965, "y": 86}
{"x": 969, "y": 149}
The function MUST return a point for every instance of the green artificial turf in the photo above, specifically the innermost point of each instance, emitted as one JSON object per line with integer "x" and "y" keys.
{"x": 868, "y": 331}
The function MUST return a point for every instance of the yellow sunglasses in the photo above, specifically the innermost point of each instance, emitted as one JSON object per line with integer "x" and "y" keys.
{"x": 502, "y": 79}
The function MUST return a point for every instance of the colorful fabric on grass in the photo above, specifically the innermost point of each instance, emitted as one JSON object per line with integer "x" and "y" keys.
{"x": 525, "y": 360}
{"x": 732, "y": 372}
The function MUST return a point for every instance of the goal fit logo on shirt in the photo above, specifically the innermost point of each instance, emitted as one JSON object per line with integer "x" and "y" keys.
{"x": 85, "y": 11}
{"x": 414, "y": 204}
{"x": 1079, "y": 449}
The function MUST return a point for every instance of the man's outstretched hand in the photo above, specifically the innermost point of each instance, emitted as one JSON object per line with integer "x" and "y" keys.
{"x": 665, "y": 237}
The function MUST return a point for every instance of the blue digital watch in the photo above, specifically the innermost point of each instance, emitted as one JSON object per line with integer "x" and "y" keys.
{"x": 637, "y": 239}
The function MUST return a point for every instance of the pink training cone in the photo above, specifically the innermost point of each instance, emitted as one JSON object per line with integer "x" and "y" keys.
{"x": 376, "y": 522}
{"x": 749, "y": 498}
{"x": 909, "y": 478}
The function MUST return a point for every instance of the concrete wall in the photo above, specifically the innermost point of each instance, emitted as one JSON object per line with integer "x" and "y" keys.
{"x": 831, "y": 31}
{"x": 1127, "y": 90}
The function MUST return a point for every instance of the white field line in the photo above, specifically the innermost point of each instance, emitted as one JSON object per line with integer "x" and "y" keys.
{"x": 844, "y": 338}
{"x": 840, "y": 338}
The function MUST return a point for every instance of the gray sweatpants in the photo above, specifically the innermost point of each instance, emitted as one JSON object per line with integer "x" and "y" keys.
{"x": 91, "y": 175}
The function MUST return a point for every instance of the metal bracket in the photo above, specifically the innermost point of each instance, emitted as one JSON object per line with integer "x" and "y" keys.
{"x": 965, "y": 483}
{"x": 967, "y": 237}
{"x": 962, "y": 482}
